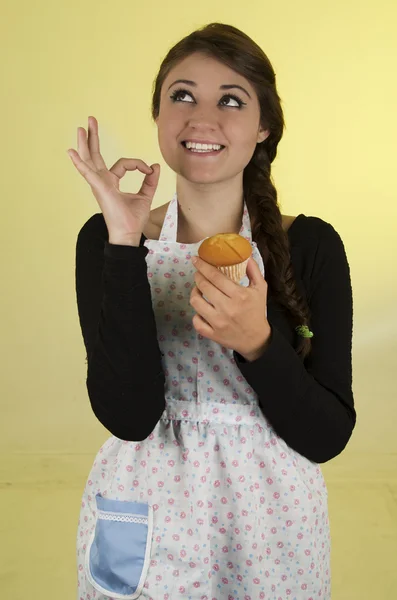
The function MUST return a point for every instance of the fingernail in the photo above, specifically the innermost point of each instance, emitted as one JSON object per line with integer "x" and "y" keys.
{"x": 194, "y": 260}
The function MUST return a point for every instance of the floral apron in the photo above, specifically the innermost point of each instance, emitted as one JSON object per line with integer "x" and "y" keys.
{"x": 213, "y": 505}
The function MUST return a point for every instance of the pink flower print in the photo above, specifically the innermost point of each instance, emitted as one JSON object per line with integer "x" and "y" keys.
{"x": 158, "y": 578}
{"x": 167, "y": 519}
{"x": 172, "y": 286}
{"x": 229, "y": 481}
{"x": 230, "y": 515}
{"x": 190, "y": 379}
{"x": 203, "y": 477}
{"x": 200, "y": 503}
{"x": 190, "y": 531}
{"x": 241, "y": 479}
{"x": 269, "y": 480}
{"x": 291, "y": 554}
{"x": 167, "y": 275}
{"x": 224, "y": 500}
{"x": 182, "y": 273}
{"x": 240, "y": 577}
{"x": 154, "y": 469}
{"x": 237, "y": 532}
{"x": 186, "y": 494}
{"x": 249, "y": 562}
{"x": 300, "y": 571}
{"x": 129, "y": 468}
{"x": 121, "y": 488}
{"x": 285, "y": 508}
{"x": 175, "y": 260}
{"x": 155, "y": 507}
{"x": 296, "y": 502}
{"x": 200, "y": 374}
{"x": 269, "y": 511}
{"x": 300, "y": 536}
{"x": 135, "y": 483}
{"x": 276, "y": 495}
{"x": 225, "y": 580}
{"x": 177, "y": 478}
{"x": 223, "y": 464}
{"x": 182, "y": 589}
{"x": 175, "y": 573}
{"x": 273, "y": 530}
{"x": 211, "y": 353}
{"x": 196, "y": 547}
{"x": 192, "y": 565}
{"x": 182, "y": 553}
{"x": 195, "y": 360}
{"x": 226, "y": 382}
{"x": 183, "y": 515}
{"x": 160, "y": 261}
{"x": 175, "y": 537}
{"x": 158, "y": 539}
{"x": 230, "y": 565}
{"x": 256, "y": 580}
{"x": 222, "y": 530}
{"x": 238, "y": 495}
{"x": 215, "y": 567}
{"x": 185, "y": 413}
{"x": 187, "y": 285}
{"x": 171, "y": 463}
{"x": 196, "y": 584}
{"x": 216, "y": 368}
{"x": 307, "y": 552}
{"x": 288, "y": 523}
{"x": 215, "y": 520}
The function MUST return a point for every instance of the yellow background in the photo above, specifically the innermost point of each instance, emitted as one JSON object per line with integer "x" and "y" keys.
{"x": 62, "y": 61}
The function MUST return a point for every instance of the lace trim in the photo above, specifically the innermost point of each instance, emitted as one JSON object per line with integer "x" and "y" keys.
{"x": 122, "y": 517}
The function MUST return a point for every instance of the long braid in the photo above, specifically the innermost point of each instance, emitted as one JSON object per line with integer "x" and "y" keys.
{"x": 273, "y": 242}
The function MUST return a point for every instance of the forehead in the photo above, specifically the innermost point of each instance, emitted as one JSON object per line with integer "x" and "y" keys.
{"x": 205, "y": 71}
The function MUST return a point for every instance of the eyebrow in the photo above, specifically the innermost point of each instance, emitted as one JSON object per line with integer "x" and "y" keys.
{"x": 222, "y": 87}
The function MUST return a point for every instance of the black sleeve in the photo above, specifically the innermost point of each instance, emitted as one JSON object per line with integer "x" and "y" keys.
{"x": 310, "y": 404}
{"x": 125, "y": 379}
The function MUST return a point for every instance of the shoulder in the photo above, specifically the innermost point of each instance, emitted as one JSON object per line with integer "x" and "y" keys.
{"x": 313, "y": 232}
{"x": 317, "y": 250}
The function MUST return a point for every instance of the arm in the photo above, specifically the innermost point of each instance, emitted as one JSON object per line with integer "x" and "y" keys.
{"x": 125, "y": 380}
{"x": 310, "y": 405}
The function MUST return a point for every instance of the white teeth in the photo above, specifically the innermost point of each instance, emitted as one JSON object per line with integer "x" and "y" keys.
{"x": 202, "y": 147}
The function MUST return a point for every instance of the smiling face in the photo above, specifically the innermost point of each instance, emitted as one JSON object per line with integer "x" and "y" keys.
{"x": 205, "y": 102}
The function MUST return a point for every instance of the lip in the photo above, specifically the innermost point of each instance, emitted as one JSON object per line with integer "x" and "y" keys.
{"x": 194, "y": 141}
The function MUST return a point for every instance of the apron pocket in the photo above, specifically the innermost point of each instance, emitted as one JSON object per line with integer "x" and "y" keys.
{"x": 118, "y": 553}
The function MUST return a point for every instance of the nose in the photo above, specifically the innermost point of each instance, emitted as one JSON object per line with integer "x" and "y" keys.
{"x": 203, "y": 119}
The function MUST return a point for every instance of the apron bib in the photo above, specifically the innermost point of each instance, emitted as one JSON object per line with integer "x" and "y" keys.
{"x": 213, "y": 505}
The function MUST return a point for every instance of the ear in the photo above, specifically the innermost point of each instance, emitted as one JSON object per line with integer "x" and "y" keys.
{"x": 263, "y": 134}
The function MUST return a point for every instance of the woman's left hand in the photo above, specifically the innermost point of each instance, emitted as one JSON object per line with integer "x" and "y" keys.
{"x": 236, "y": 316}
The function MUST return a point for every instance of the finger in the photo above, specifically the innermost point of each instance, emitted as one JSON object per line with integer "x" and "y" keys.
{"x": 217, "y": 278}
{"x": 82, "y": 147}
{"x": 149, "y": 184}
{"x": 82, "y": 167}
{"x": 93, "y": 144}
{"x": 123, "y": 165}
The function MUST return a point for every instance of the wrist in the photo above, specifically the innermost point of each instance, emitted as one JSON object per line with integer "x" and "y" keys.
{"x": 260, "y": 347}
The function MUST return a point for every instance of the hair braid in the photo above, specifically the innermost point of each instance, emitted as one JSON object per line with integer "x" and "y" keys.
{"x": 273, "y": 242}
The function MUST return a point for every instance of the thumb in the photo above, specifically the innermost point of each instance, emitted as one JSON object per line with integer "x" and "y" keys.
{"x": 254, "y": 274}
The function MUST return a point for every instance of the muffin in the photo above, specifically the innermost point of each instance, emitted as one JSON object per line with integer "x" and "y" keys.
{"x": 229, "y": 252}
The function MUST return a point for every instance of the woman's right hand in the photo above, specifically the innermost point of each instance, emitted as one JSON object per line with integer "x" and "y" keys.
{"x": 125, "y": 214}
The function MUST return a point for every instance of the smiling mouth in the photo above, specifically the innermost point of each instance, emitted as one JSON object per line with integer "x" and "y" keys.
{"x": 203, "y": 148}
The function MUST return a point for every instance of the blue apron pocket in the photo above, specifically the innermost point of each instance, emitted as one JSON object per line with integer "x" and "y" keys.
{"x": 118, "y": 553}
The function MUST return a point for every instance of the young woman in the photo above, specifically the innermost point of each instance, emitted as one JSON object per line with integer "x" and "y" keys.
{"x": 220, "y": 411}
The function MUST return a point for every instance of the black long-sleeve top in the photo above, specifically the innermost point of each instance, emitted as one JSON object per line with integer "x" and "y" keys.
{"x": 308, "y": 403}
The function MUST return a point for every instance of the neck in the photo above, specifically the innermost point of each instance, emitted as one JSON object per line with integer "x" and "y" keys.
{"x": 208, "y": 209}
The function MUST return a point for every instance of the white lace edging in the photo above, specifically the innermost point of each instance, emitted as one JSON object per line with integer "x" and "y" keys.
{"x": 122, "y": 517}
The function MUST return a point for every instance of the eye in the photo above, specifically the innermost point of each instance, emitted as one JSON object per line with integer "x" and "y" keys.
{"x": 238, "y": 103}
{"x": 179, "y": 95}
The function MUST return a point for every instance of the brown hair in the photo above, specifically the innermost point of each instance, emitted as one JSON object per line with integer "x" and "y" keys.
{"x": 238, "y": 51}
